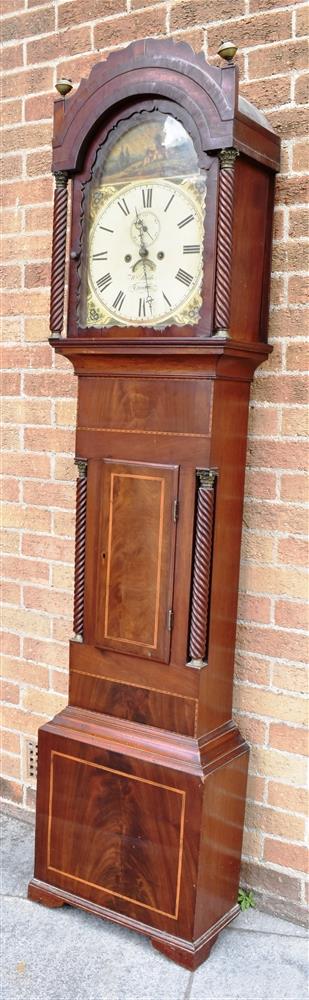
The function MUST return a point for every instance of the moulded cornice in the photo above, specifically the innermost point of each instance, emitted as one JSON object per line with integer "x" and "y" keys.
{"x": 151, "y": 68}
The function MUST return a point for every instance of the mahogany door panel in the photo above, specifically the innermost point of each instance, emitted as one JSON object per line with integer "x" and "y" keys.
{"x": 135, "y": 569}
{"x": 181, "y": 602}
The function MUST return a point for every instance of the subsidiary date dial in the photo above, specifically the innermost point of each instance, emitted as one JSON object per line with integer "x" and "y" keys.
{"x": 146, "y": 255}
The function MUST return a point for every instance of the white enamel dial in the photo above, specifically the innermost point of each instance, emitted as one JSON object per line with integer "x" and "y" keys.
{"x": 145, "y": 253}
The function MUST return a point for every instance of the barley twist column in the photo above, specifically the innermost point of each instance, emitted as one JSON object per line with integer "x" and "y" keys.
{"x": 80, "y": 546}
{"x": 225, "y": 242}
{"x": 58, "y": 253}
{"x": 201, "y": 568}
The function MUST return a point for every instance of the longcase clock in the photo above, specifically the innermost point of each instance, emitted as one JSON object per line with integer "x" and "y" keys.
{"x": 142, "y": 778}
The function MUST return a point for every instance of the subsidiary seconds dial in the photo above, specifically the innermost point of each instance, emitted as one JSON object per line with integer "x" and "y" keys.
{"x": 145, "y": 254}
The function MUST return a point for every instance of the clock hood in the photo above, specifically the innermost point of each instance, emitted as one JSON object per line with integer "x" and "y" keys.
{"x": 204, "y": 97}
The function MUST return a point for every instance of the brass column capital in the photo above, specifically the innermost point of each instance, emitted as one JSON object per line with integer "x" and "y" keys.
{"x": 82, "y": 467}
{"x": 206, "y": 478}
{"x": 227, "y": 158}
{"x": 61, "y": 178}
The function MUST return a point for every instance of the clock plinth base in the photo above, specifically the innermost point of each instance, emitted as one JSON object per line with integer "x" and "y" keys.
{"x": 186, "y": 953}
{"x": 142, "y": 827}
{"x": 189, "y": 958}
{"x": 41, "y": 894}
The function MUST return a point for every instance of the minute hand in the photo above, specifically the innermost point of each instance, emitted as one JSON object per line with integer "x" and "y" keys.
{"x": 140, "y": 226}
{"x": 143, "y": 253}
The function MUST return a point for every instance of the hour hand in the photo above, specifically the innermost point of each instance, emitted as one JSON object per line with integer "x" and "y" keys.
{"x": 141, "y": 226}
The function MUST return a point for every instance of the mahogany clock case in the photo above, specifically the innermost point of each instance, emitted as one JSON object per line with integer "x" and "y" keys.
{"x": 142, "y": 778}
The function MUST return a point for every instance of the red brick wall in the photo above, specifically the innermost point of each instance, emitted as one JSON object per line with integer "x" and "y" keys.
{"x": 42, "y": 41}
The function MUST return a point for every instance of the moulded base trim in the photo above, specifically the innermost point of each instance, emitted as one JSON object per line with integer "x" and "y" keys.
{"x": 190, "y": 954}
{"x": 191, "y": 755}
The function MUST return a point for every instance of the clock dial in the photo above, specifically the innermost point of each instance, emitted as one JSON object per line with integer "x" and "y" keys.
{"x": 146, "y": 254}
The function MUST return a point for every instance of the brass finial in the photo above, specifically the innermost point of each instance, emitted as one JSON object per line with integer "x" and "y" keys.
{"x": 227, "y": 51}
{"x": 64, "y": 86}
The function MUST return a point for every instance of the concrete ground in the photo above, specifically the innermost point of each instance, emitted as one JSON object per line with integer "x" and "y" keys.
{"x": 66, "y": 954}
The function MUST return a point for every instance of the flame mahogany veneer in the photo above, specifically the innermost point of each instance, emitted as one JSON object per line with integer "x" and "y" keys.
{"x": 142, "y": 778}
